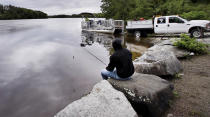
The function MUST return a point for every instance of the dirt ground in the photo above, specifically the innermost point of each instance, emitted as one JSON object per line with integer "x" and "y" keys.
{"x": 192, "y": 90}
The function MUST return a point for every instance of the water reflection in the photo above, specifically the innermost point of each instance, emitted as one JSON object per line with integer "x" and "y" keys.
{"x": 38, "y": 74}
{"x": 43, "y": 67}
{"x": 136, "y": 45}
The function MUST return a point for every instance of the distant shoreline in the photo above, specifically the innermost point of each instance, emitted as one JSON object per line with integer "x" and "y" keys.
{"x": 47, "y": 18}
{"x": 23, "y": 19}
{"x": 9, "y": 12}
{"x": 44, "y": 18}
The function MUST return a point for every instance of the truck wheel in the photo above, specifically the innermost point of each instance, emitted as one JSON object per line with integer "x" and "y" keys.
{"x": 144, "y": 34}
{"x": 196, "y": 33}
{"x": 138, "y": 34}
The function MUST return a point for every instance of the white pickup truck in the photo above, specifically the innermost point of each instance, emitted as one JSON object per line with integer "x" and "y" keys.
{"x": 168, "y": 25}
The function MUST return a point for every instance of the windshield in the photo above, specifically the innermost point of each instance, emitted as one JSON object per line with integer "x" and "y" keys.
{"x": 185, "y": 20}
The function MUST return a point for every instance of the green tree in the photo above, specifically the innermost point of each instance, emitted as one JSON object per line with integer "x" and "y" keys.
{"x": 12, "y": 12}
{"x": 130, "y": 9}
{"x": 143, "y": 9}
{"x": 1, "y": 9}
{"x": 117, "y": 9}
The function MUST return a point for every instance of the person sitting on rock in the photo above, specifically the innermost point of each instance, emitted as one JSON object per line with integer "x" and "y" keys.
{"x": 120, "y": 66}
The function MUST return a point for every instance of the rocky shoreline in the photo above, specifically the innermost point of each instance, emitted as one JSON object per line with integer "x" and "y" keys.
{"x": 149, "y": 95}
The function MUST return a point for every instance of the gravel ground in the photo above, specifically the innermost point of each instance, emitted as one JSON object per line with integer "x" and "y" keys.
{"x": 192, "y": 90}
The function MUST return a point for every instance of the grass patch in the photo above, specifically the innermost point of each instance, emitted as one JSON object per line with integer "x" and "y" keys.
{"x": 191, "y": 44}
{"x": 175, "y": 93}
{"x": 196, "y": 114}
{"x": 178, "y": 76}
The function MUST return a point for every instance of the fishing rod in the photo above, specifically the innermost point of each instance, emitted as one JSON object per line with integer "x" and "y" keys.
{"x": 95, "y": 57}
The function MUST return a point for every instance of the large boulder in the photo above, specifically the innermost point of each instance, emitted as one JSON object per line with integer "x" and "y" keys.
{"x": 179, "y": 53}
{"x": 160, "y": 63}
{"x": 150, "y": 95}
{"x": 103, "y": 101}
{"x": 167, "y": 45}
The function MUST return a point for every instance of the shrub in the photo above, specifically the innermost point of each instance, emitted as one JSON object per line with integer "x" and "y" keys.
{"x": 191, "y": 44}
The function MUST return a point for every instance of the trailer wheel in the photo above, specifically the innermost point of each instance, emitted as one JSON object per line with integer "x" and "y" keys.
{"x": 137, "y": 34}
{"x": 197, "y": 33}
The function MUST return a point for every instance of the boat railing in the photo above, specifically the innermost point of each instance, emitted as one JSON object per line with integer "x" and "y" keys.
{"x": 100, "y": 24}
{"x": 119, "y": 23}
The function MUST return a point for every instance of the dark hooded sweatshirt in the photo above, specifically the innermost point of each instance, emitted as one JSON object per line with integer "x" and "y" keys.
{"x": 121, "y": 60}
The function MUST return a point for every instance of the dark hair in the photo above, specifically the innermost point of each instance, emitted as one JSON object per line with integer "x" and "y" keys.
{"x": 117, "y": 44}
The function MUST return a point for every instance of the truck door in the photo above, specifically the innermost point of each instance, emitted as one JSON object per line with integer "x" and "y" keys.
{"x": 176, "y": 25}
{"x": 160, "y": 25}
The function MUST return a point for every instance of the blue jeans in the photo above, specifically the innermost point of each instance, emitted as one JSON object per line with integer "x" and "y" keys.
{"x": 106, "y": 74}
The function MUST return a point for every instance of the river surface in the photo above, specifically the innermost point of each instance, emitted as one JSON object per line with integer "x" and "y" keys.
{"x": 45, "y": 64}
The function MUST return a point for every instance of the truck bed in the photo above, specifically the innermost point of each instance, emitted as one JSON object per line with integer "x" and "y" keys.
{"x": 145, "y": 24}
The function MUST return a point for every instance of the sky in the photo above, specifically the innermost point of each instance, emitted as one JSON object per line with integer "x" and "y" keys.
{"x": 53, "y": 7}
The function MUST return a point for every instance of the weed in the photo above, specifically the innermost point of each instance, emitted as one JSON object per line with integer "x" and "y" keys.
{"x": 191, "y": 44}
{"x": 170, "y": 103}
{"x": 175, "y": 93}
{"x": 196, "y": 113}
{"x": 178, "y": 76}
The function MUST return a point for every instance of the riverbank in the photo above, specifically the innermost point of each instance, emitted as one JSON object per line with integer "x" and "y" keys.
{"x": 192, "y": 90}
{"x": 191, "y": 87}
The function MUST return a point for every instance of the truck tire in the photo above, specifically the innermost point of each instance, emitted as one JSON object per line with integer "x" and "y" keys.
{"x": 137, "y": 34}
{"x": 197, "y": 33}
{"x": 144, "y": 34}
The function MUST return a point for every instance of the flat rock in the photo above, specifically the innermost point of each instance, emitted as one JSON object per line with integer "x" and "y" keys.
{"x": 103, "y": 101}
{"x": 205, "y": 40}
{"x": 167, "y": 45}
{"x": 146, "y": 91}
{"x": 179, "y": 53}
{"x": 160, "y": 63}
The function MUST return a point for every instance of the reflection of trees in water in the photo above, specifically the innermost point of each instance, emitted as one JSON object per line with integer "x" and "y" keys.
{"x": 136, "y": 46}
{"x": 89, "y": 38}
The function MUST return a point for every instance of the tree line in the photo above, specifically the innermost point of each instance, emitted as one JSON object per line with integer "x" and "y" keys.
{"x": 65, "y": 16}
{"x": 13, "y": 12}
{"x": 134, "y": 9}
{"x": 81, "y": 15}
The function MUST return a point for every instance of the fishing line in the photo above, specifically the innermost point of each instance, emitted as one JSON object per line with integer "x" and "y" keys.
{"x": 95, "y": 56}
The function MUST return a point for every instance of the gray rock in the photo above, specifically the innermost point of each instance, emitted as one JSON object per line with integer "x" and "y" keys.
{"x": 103, "y": 101}
{"x": 179, "y": 53}
{"x": 166, "y": 42}
{"x": 192, "y": 54}
{"x": 170, "y": 115}
{"x": 147, "y": 91}
{"x": 160, "y": 63}
{"x": 205, "y": 40}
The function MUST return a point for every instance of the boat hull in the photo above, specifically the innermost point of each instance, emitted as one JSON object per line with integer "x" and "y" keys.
{"x": 101, "y": 31}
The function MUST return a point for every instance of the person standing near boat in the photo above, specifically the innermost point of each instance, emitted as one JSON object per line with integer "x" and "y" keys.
{"x": 120, "y": 66}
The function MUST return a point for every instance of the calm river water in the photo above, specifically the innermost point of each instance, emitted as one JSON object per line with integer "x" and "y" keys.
{"x": 45, "y": 64}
